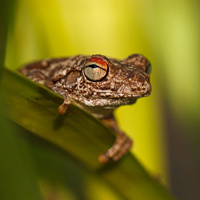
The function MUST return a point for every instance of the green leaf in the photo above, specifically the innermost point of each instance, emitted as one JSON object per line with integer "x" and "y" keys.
{"x": 17, "y": 179}
{"x": 78, "y": 134}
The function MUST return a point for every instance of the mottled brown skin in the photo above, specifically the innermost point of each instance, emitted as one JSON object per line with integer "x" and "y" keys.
{"x": 99, "y": 85}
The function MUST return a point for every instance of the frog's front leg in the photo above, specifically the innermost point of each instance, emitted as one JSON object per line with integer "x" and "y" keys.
{"x": 62, "y": 109}
{"x": 120, "y": 147}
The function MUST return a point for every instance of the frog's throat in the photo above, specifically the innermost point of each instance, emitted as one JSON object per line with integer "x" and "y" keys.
{"x": 97, "y": 111}
{"x": 106, "y": 103}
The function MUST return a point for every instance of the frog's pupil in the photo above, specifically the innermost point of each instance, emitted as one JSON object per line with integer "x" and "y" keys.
{"x": 93, "y": 66}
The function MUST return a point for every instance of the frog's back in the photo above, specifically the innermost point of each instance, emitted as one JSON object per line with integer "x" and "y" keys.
{"x": 53, "y": 68}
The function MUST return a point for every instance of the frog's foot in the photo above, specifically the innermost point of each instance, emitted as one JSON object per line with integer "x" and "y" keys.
{"x": 121, "y": 146}
{"x": 62, "y": 109}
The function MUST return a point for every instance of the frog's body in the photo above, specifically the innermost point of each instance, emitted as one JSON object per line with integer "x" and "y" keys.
{"x": 95, "y": 83}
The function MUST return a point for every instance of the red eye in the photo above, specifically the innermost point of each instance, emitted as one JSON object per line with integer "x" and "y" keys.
{"x": 95, "y": 69}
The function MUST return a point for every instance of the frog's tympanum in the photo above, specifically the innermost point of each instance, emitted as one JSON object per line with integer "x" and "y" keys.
{"x": 97, "y": 84}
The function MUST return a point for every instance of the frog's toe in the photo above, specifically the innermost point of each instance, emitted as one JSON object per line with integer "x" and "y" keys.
{"x": 62, "y": 109}
{"x": 104, "y": 158}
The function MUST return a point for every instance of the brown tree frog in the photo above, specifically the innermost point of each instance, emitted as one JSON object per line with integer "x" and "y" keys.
{"x": 97, "y": 84}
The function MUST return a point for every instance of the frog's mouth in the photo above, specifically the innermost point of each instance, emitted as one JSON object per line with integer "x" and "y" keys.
{"x": 122, "y": 95}
{"x": 123, "y": 92}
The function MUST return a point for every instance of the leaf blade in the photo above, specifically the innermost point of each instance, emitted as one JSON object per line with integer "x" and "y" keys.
{"x": 78, "y": 133}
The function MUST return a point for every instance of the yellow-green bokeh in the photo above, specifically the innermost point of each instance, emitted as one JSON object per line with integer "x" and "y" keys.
{"x": 164, "y": 31}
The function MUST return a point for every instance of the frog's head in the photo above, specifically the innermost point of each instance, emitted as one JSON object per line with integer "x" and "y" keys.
{"x": 115, "y": 82}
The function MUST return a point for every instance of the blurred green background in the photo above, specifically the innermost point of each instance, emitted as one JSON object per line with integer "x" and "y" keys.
{"x": 165, "y": 126}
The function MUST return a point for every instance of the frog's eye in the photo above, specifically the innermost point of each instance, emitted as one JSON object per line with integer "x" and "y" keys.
{"x": 95, "y": 69}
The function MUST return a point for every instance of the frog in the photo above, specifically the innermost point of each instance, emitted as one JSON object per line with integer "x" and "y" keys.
{"x": 97, "y": 84}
